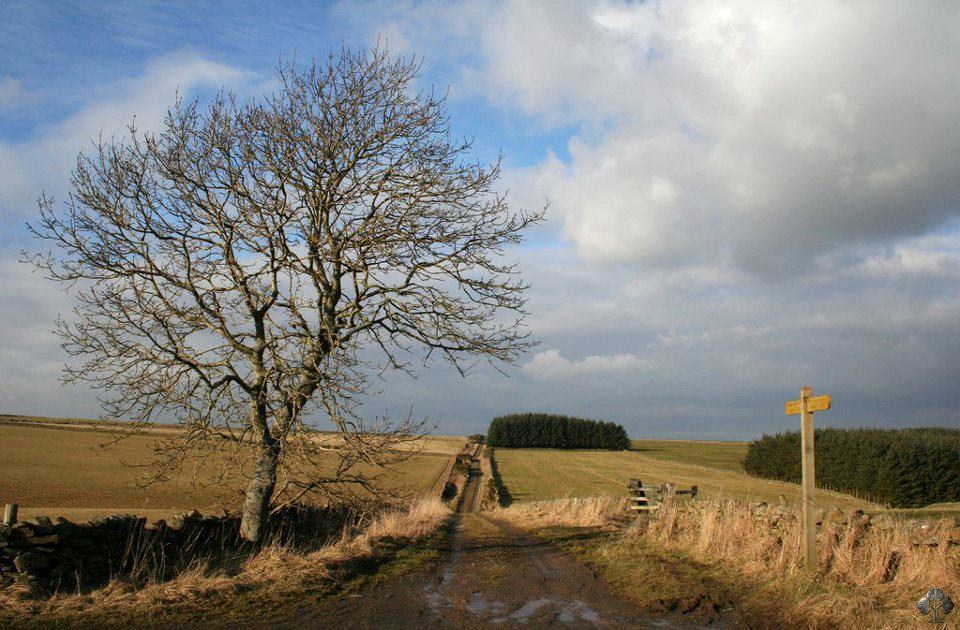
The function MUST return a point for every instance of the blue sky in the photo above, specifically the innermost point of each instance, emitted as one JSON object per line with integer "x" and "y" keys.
{"x": 745, "y": 197}
{"x": 65, "y": 53}
{"x": 64, "y": 56}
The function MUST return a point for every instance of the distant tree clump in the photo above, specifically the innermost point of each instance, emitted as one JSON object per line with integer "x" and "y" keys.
{"x": 898, "y": 467}
{"x": 542, "y": 430}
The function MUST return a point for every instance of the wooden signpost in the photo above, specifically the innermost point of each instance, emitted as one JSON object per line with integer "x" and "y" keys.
{"x": 805, "y": 406}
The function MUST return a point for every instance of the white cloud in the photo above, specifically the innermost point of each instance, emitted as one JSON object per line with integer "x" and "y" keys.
{"x": 930, "y": 256}
{"x": 30, "y": 355}
{"x": 710, "y": 141}
{"x": 756, "y": 132}
{"x": 700, "y": 339}
{"x": 550, "y": 365}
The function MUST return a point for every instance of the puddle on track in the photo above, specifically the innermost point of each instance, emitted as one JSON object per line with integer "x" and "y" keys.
{"x": 566, "y": 611}
{"x": 492, "y": 575}
{"x": 485, "y": 608}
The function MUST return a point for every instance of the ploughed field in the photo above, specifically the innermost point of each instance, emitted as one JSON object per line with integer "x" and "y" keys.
{"x": 540, "y": 474}
{"x": 58, "y": 467}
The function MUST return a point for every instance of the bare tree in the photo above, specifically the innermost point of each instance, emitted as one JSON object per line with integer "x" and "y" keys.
{"x": 246, "y": 269}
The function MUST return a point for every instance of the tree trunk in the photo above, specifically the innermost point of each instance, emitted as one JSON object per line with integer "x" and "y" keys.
{"x": 256, "y": 505}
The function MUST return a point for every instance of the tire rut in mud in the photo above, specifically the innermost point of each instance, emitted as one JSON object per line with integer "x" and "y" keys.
{"x": 471, "y": 490}
{"x": 491, "y": 574}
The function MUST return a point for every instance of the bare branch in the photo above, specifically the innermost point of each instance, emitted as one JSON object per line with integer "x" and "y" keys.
{"x": 230, "y": 268}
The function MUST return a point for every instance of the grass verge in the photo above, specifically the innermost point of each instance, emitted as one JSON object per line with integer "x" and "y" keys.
{"x": 275, "y": 584}
{"x": 729, "y": 561}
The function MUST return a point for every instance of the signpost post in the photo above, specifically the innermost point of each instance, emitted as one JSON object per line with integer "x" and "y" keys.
{"x": 805, "y": 406}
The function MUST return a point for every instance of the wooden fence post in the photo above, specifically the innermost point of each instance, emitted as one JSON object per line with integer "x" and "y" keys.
{"x": 10, "y": 514}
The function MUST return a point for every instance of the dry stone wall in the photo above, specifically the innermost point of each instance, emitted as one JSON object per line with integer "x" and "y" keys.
{"x": 48, "y": 555}
{"x": 921, "y": 531}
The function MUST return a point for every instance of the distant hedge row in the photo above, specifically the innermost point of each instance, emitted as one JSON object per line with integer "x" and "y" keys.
{"x": 898, "y": 467}
{"x": 542, "y": 430}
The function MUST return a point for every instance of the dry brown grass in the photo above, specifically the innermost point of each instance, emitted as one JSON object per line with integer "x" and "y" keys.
{"x": 573, "y": 512}
{"x": 54, "y": 471}
{"x": 867, "y": 576}
{"x": 275, "y": 574}
{"x": 442, "y": 444}
{"x": 417, "y": 521}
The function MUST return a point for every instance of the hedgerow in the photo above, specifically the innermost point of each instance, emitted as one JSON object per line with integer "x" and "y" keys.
{"x": 897, "y": 467}
{"x": 542, "y": 430}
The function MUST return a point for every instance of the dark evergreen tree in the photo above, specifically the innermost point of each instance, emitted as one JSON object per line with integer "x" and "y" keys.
{"x": 540, "y": 430}
{"x": 898, "y": 467}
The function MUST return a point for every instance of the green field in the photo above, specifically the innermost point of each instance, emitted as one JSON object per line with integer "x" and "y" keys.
{"x": 59, "y": 469}
{"x": 722, "y": 455}
{"x": 537, "y": 474}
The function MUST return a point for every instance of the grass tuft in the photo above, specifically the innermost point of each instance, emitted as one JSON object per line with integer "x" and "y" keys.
{"x": 571, "y": 512}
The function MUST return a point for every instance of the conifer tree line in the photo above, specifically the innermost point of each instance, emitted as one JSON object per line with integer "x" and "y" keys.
{"x": 543, "y": 430}
{"x": 896, "y": 467}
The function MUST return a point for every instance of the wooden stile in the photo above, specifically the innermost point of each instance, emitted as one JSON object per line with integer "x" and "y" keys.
{"x": 650, "y": 498}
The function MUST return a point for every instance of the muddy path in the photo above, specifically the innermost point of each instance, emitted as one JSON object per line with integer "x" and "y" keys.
{"x": 491, "y": 574}
{"x": 470, "y": 501}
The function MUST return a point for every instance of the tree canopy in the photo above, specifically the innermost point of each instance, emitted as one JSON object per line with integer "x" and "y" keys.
{"x": 543, "y": 430}
{"x": 252, "y": 262}
{"x": 899, "y": 467}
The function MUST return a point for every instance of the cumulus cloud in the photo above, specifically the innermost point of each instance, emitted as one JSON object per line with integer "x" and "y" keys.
{"x": 751, "y": 131}
{"x": 550, "y": 365}
{"x": 752, "y": 196}
{"x": 756, "y": 195}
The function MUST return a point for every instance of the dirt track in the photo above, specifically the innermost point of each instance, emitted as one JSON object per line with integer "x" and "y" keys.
{"x": 471, "y": 490}
{"x": 491, "y": 575}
